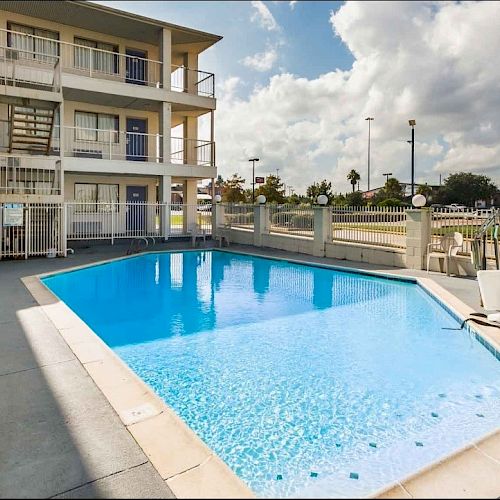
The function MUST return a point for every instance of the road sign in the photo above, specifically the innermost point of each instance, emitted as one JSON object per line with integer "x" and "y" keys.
{"x": 259, "y": 180}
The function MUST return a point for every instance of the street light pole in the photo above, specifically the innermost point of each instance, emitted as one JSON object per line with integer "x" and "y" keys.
{"x": 369, "y": 120}
{"x": 412, "y": 124}
{"x": 253, "y": 160}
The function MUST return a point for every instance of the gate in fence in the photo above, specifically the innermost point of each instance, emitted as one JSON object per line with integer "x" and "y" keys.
{"x": 30, "y": 229}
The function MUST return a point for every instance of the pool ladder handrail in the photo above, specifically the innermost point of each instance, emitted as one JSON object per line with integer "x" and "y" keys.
{"x": 478, "y": 250}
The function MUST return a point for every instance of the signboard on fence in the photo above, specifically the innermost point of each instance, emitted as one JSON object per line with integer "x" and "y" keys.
{"x": 259, "y": 180}
{"x": 13, "y": 214}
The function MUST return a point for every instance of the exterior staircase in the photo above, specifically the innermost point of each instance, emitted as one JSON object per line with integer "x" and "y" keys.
{"x": 31, "y": 128}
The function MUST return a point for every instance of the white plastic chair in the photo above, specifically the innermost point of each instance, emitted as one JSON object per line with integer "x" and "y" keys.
{"x": 489, "y": 288}
{"x": 196, "y": 232}
{"x": 446, "y": 249}
{"x": 222, "y": 233}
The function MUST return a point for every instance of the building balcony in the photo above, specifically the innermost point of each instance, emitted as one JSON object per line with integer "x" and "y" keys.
{"x": 28, "y": 69}
{"x": 28, "y": 176}
{"x": 21, "y": 63}
{"x": 131, "y": 146}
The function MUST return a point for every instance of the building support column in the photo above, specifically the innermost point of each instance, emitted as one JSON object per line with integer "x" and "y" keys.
{"x": 164, "y": 192}
{"x": 191, "y": 73}
{"x": 190, "y": 134}
{"x": 189, "y": 200}
{"x": 165, "y": 132}
{"x": 166, "y": 58}
{"x": 418, "y": 235}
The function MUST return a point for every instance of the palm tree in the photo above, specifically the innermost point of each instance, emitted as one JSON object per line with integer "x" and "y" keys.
{"x": 353, "y": 177}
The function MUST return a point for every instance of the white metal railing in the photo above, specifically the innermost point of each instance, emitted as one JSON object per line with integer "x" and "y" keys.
{"x": 24, "y": 68}
{"x": 186, "y": 218}
{"x": 26, "y": 174}
{"x": 108, "y": 65}
{"x": 40, "y": 231}
{"x": 291, "y": 219}
{"x": 110, "y": 221}
{"x": 109, "y": 144}
{"x": 100, "y": 63}
{"x": 380, "y": 226}
{"x": 465, "y": 221}
{"x": 192, "y": 151}
{"x": 239, "y": 215}
{"x": 192, "y": 81}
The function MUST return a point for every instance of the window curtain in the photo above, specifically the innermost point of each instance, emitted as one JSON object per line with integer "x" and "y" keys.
{"x": 107, "y": 197}
{"x": 106, "y": 62}
{"x": 86, "y": 125}
{"x": 82, "y": 53}
{"x": 85, "y": 196}
{"x": 44, "y": 49}
{"x": 22, "y": 42}
{"x": 108, "y": 128}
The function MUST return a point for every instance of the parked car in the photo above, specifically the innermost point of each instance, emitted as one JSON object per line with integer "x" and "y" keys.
{"x": 457, "y": 206}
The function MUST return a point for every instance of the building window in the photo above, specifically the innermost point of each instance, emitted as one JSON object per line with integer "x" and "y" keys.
{"x": 96, "y": 197}
{"x": 104, "y": 59}
{"x": 96, "y": 127}
{"x": 33, "y": 43}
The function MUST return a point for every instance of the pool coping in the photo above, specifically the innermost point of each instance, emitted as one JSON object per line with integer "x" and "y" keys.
{"x": 190, "y": 468}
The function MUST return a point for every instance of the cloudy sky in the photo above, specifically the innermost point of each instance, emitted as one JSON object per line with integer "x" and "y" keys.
{"x": 296, "y": 80}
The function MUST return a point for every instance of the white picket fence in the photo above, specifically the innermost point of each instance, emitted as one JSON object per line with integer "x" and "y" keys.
{"x": 46, "y": 228}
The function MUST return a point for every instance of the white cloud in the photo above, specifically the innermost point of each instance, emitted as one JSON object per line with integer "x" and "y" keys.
{"x": 263, "y": 16}
{"x": 263, "y": 61}
{"x": 430, "y": 61}
{"x": 292, "y": 4}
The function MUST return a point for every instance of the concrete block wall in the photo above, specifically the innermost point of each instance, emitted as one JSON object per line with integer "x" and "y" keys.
{"x": 414, "y": 256}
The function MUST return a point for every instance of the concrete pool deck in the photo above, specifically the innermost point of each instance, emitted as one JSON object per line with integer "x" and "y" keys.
{"x": 65, "y": 411}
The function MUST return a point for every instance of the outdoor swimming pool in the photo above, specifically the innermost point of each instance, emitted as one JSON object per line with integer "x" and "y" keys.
{"x": 306, "y": 381}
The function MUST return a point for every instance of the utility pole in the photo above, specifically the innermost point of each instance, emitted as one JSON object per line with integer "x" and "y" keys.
{"x": 369, "y": 120}
{"x": 387, "y": 176}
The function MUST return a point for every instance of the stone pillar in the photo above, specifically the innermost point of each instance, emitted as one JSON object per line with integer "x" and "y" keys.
{"x": 322, "y": 229}
{"x": 260, "y": 223}
{"x": 166, "y": 57}
{"x": 218, "y": 217}
{"x": 418, "y": 235}
{"x": 165, "y": 195}
{"x": 189, "y": 201}
{"x": 165, "y": 131}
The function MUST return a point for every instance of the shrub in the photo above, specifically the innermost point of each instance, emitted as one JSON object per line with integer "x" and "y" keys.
{"x": 302, "y": 221}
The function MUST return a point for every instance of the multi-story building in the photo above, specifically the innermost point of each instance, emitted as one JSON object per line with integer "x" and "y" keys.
{"x": 100, "y": 105}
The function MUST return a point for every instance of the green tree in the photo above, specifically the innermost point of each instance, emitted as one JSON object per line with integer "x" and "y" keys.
{"x": 355, "y": 199}
{"x": 466, "y": 188}
{"x": 272, "y": 189}
{"x": 392, "y": 190}
{"x": 339, "y": 200}
{"x": 232, "y": 189}
{"x": 390, "y": 202}
{"x": 424, "y": 189}
{"x": 353, "y": 177}
{"x": 323, "y": 187}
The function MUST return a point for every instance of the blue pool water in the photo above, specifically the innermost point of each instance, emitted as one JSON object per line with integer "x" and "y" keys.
{"x": 300, "y": 378}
